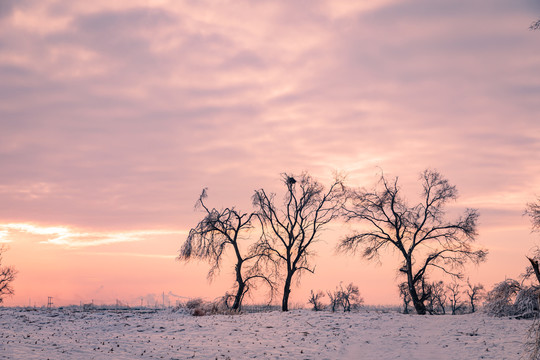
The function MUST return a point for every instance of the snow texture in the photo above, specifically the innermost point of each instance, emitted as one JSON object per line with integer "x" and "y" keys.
{"x": 298, "y": 334}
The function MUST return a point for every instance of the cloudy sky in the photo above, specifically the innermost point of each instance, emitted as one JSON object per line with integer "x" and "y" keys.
{"x": 115, "y": 114}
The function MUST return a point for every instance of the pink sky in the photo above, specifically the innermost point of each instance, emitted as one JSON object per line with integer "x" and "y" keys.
{"x": 115, "y": 114}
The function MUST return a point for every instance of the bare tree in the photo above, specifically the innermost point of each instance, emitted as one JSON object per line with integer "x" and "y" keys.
{"x": 420, "y": 233}
{"x": 349, "y": 296}
{"x": 474, "y": 293}
{"x": 315, "y": 300}
{"x": 346, "y": 298}
{"x": 7, "y": 275}
{"x": 455, "y": 303}
{"x": 438, "y": 298}
{"x": 535, "y": 25}
{"x": 334, "y": 299}
{"x": 289, "y": 232}
{"x": 218, "y": 231}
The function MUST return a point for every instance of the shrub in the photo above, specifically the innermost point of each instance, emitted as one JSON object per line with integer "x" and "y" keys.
{"x": 509, "y": 298}
{"x": 194, "y": 303}
{"x": 526, "y": 303}
{"x": 315, "y": 300}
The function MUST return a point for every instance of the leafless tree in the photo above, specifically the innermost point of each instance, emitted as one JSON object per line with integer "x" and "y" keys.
{"x": 315, "y": 300}
{"x": 290, "y": 231}
{"x": 334, "y": 299}
{"x": 7, "y": 275}
{"x": 218, "y": 231}
{"x": 420, "y": 233}
{"x": 535, "y": 25}
{"x": 438, "y": 298}
{"x": 474, "y": 293}
{"x": 454, "y": 290}
{"x": 346, "y": 298}
{"x": 405, "y": 295}
{"x": 349, "y": 297}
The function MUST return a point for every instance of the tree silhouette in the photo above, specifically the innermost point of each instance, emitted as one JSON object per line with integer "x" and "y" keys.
{"x": 7, "y": 275}
{"x": 419, "y": 233}
{"x": 474, "y": 293}
{"x": 218, "y": 231}
{"x": 454, "y": 291}
{"x": 291, "y": 230}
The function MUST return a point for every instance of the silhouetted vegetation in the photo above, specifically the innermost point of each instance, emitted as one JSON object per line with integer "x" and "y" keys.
{"x": 291, "y": 229}
{"x": 419, "y": 232}
{"x": 218, "y": 231}
{"x": 7, "y": 275}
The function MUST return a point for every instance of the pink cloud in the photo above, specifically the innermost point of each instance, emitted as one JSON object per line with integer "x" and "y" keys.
{"x": 114, "y": 116}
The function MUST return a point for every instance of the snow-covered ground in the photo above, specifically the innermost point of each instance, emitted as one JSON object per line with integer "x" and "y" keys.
{"x": 298, "y": 334}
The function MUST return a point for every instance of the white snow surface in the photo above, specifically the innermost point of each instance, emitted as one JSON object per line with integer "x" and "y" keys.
{"x": 298, "y": 334}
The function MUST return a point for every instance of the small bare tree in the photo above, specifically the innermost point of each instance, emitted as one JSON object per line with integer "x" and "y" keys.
{"x": 218, "y": 231}
{"x": 454, "y": 289}
{"x": 349, "y": 297}
{"x": 535, "y": 25}
{"x": 346, "y": 298}
{"x": 419, "y": 233}
{"x": 474, "y": 293}
{"x": 438, "y": 298}
{"x": 289, "y": 232}
{"x": 7, "y": 275}
{"x": 334, "y": 299}
{"x": 315, "y": 300}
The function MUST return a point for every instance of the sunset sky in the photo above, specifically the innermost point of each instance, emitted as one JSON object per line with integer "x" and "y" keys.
{"x": 114, "y": 115}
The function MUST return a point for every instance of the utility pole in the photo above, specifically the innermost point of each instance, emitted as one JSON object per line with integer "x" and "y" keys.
{"x": 49, "y": 302}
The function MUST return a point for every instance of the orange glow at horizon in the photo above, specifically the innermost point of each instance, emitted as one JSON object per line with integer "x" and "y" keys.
{"x": 104, "y": 272}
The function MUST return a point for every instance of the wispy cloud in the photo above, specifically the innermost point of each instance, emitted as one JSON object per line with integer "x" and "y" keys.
{"x": 130, "y": 254}
{"x": 74, "y": 238}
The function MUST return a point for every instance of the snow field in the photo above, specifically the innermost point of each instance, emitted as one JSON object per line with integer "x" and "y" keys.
{"x": 298, "y": 334}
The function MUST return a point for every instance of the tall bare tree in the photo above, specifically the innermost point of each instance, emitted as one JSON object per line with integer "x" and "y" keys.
{"x": 291, "y": 230}
{"x": 218, "y": 231}
{"x": 7, "y": 275}
{"x": 419, "y": 233}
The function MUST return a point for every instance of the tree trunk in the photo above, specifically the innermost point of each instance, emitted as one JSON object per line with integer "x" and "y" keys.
{"x": 418, "y": 305}
{"x": 241, "y": 287}
{"x": 286, "y": 292}
{"x": 535, "y": 267}
{"x": 417, "y": 302}
{"x": 239, "y": 294}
